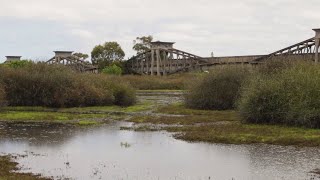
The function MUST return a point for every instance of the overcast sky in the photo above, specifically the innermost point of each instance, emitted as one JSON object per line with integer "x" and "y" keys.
{"x": 35, "y": 28}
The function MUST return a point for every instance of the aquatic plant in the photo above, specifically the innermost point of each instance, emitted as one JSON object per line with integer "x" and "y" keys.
{"x": 125, "y": 144}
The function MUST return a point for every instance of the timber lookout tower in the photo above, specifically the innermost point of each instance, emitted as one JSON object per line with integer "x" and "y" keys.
{"x": 63, "y": 54}
{"x": 161, "y": 45}
{"x": 13, "y": 58}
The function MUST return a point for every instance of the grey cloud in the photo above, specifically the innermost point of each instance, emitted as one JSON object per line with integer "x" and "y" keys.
{"x": 229, "y": 27}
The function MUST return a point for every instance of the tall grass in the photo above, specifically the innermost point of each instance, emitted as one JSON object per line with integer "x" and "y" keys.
{"x": 172, "y": 82}
{"x": 289, "y": 96}
{"x": 218, "y": 90}
{"x": 58, "y": 86}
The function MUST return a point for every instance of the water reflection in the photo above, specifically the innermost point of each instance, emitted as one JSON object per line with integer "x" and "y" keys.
{"x": 96, "y": 152}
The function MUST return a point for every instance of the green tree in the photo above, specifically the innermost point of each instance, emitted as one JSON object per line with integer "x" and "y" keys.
{"x": 18, "y": 64}
{"x": 112, "y": 69}
{"x": 81, "y": 55}
{"x": 104, "y": 55}
{"x": 142, "y": 44}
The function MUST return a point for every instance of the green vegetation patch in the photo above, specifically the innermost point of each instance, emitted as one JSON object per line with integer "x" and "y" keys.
{"x": 8, "y": 168}
{"x": 180, "y": 109}
{"x": 182, "y": 120}
{"x": 87, "y": 123}
{"x": 45, "y": 116}
{"x": 237, "y": 133}
{"x": 93, "y": 109}
{"x": 222, "y": 127}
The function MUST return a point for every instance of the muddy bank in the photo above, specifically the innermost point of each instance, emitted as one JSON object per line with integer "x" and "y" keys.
{"x": 9, "y": 170}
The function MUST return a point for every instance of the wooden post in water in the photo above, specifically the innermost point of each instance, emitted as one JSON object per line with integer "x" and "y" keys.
{"x": 317, "y": 44}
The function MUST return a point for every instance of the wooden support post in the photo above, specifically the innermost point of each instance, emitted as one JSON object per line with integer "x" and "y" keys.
{"x": 152, "y": 61}
{"x": 317, "y": 43}
{"x": 317, "y": 50}
{"x": 158, "y": 62}
{"x": 177, "y": 63}
{"x": 164, "y": 63}
{"x": 147, "y": 63}
{"x": 170, "y": 61}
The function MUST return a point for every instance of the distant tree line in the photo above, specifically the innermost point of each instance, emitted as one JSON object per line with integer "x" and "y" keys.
{"x": 108, "y": 57}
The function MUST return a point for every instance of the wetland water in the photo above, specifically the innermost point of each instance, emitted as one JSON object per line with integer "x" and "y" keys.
{"x": 106, "y": 152}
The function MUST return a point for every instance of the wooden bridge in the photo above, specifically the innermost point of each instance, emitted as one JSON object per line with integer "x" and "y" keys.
{"x": 68, "y": 59}
{"x": 163, "y": 59}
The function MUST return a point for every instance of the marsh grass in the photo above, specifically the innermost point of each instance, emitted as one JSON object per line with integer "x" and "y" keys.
{"x": 173, "y": 82}
{"x": 222, "y": 127}
{"x": 238, "y": 133}
{"x": 139, "y": 107}
{"x": 45, "y": 116}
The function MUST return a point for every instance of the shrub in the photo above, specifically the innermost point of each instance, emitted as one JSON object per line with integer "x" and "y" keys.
{"x": 123, "y": 92}
{"x": 124, "y": 96}
{"x": 218, "y": 90}
{"x": 112, "y": 69}
{"x": 59, "y": 86}
{"x": 290, "y": 96}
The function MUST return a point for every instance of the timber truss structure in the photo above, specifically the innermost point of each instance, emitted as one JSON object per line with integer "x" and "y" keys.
{"x": 307, "y": 47}
{"x": 163, "y": 59}
{"x": 68, "y": 59}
